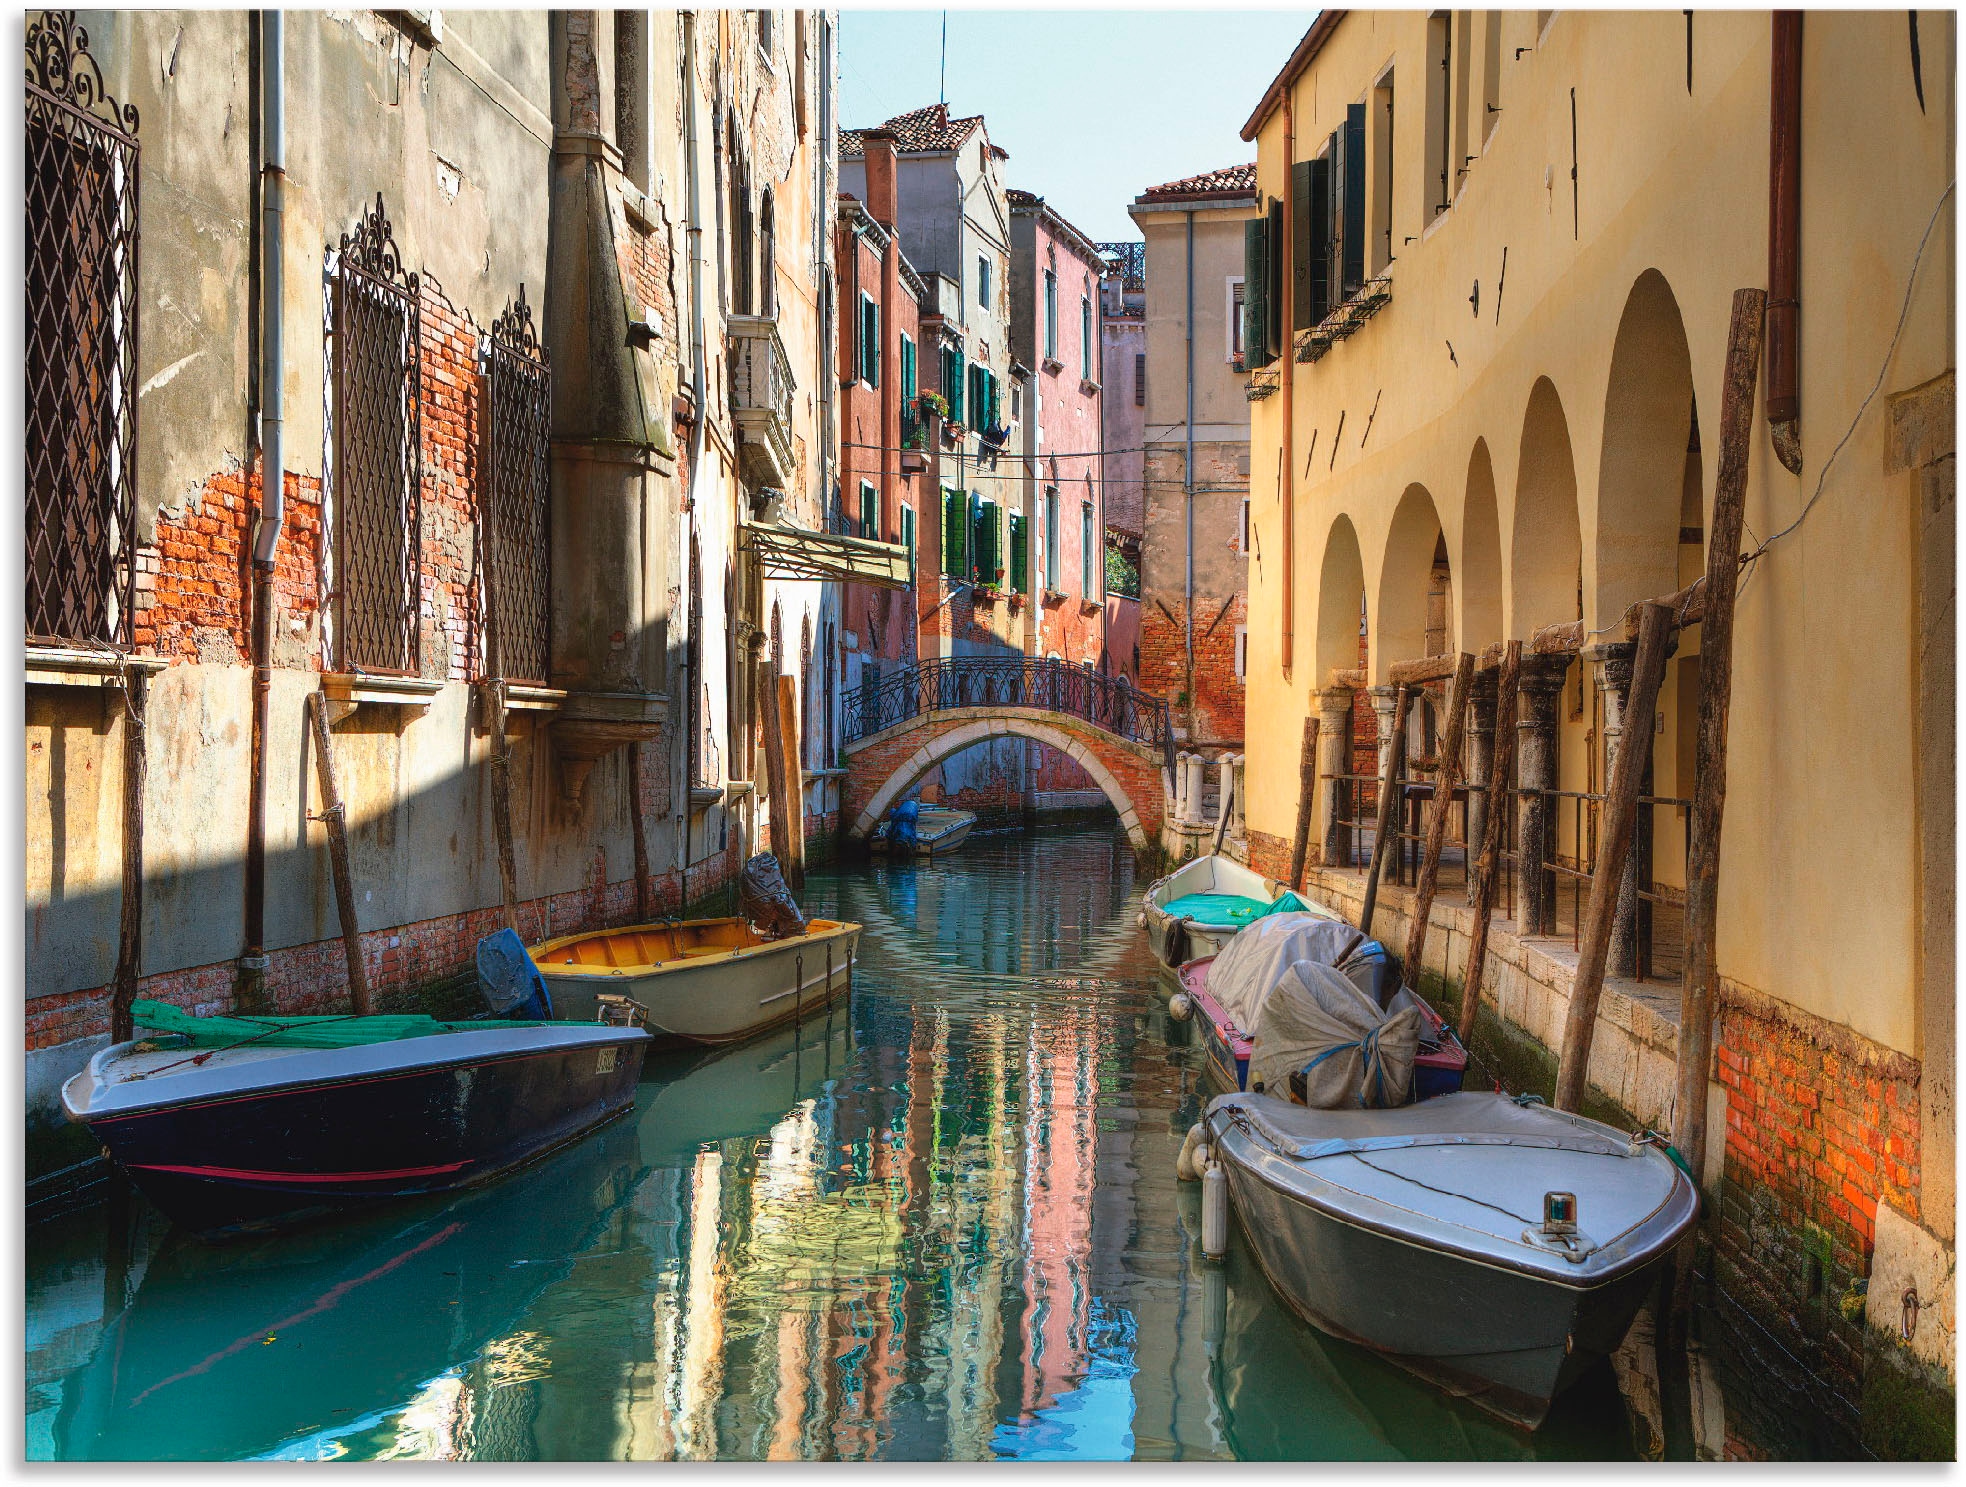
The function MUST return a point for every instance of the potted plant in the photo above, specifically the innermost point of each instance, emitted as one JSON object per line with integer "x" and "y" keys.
{"x": 931, "y": 404}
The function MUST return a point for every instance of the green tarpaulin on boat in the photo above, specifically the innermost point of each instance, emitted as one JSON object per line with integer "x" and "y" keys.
{"x": 305, "y": 1032}
{"x": 1227, "y": 910}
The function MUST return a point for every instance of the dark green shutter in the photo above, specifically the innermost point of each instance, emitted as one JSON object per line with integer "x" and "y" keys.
{"x": 1316, "y": 247}
{"x": 1353, "y": 246}
{"x": 955, "y": 533}
{"x": 908, "y": 371}
{"x": 1255, "y": 292}
{"x": 952, "y": 381}
{"x": 1278, "y": 268}
{"x": 983, "y": 526}
{"x": 870, "y": 513}
{"x": 1020, "y": 555}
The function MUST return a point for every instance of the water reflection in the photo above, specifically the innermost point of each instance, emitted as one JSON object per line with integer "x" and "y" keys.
{"x": 941, "y": 1225}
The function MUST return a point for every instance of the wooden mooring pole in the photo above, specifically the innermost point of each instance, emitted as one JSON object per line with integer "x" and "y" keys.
{"x": 1300, "y": 846}
{"x": 129, "y": 949}
{"x": 638, "y": 833}
{"x": 778, "y": 790}
{"x": 501, "y": 783}
{"x": 795, "y": 789}
{"x": 1495, "y": 825}
{"x": 336, "y": 820}
{"x": 1700, "y": 976}
{"x": 1619, "y": 822}
{"x": 1445, "y": 777}
{"x": 1388, "y": 808}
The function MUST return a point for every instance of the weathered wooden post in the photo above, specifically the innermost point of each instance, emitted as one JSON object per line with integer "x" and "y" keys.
{"x": 794, "y": 777}
{"x": 1388, "y": 806}
{"x": 493, "y": 695}
{"x": 1620, "y": 817}
{"x": 778, "y": 789}
{"x": 1300, "y": 844}
{"x": 129, "y": 949}
{"x": 1449, "y": 771}
{"x": 638, "y": 832}
{"x": 1699, "y": 980}
{"x": 1495, "y": 825}
{"x": 336, "y": 820}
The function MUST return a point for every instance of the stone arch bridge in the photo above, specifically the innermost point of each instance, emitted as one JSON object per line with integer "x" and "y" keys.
{"x": 899, "y": 730}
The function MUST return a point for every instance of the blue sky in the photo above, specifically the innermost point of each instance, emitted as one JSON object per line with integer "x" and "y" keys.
{"x": 1093, "y": 106}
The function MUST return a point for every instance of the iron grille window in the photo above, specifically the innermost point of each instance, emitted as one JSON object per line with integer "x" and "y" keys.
{"x": 81, "y": 343}
{"x": 378, "y": 463}
{"x": 518, "y": 546}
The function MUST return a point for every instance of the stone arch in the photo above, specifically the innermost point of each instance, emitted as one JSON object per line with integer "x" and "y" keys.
{"x": 1341, "y": 599}
{"x": 1648, "y": 417}
{"x": 941, "y": 745}
{"x": 1414, "y": 550}
{"x": 1545, "y": 543}
{"x": 1478, "y": 574}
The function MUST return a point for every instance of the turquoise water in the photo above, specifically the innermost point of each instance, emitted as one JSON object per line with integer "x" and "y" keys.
{"x": 942, "y": 1223}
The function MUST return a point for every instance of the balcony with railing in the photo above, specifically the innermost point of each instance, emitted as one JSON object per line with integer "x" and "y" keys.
{"x": 761, "y": 399}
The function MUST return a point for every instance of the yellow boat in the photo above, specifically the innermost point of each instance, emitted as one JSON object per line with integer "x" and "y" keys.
{"x": 701, "y": 980}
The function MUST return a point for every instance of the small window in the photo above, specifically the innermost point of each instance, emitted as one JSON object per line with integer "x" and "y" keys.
{"x": 1085, "y": 334}
{"x": 764, "y": 32}
{"x": 955, "y": 533}
{"x": 952, "y": 381}
{"x": 1242, "y": 652}
{"x": 870, "y": 511}
{"x": 1088, "y": 569}
{"x": 1139, "y": 379}
{"x": 870, "y": 341}
{"x": 1020, "y": 556}
{"x": 1245, "y": 526}
{"x": 1235, "y": 320}
{"x": 1050, "y": 316}
{"x": 982, "y": 281}
{"x": 1051, "y": 540}
{"x": 907, "y": 368}
{"x": 908, "y": 535}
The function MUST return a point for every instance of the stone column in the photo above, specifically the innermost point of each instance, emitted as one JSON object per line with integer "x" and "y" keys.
{"x": 1334, "y": 706}
{"x": 1478, "y": 759}
{"x": 1613, "y": 664}
{"x": 1536, "y": 769}
{"x": 1382, "y": 704}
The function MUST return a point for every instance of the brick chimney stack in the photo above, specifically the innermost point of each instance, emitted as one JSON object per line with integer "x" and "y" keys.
{"x": 878, "y": 155}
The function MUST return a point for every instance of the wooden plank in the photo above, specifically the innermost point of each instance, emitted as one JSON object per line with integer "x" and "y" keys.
{"x": 1617, "y": 822}
{"x": 129, "y": 948}
{"x": 333, "y": 814}
{"x": 501, "y": 789}
{"x": 1388, "y": 807}
{"x": 1223, "y": 807}
{"x": 1300, "y": 846}
{"x": 1699, "y": 980}
{"x": 1418, "y": 673}
{"x": 788, "y": 741}
{"x": 1448, "y": 776}
{"x": 1558, "y": 640}
{"x": 778, "y": 789}
{"x": 1488, "y": 866}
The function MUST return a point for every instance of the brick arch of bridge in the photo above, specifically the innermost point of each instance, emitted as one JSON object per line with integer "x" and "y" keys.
{"x": 882, "y": 767}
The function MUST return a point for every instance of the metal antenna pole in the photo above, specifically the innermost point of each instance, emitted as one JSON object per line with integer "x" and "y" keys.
{"x": 943, "y": 86}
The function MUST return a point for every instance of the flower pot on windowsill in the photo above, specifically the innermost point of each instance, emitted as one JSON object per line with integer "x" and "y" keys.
{"x": 984, "y": 596}
{"x": 952, "y": 433}
{"x": 1016, "y": 601}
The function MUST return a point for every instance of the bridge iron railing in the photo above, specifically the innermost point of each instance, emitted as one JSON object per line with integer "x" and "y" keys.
{"x": 1108, "y": 702}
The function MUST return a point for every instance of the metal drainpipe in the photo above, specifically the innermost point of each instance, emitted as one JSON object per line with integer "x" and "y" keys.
{"x": 1785, "y": 238}
{"x": 698, "y": 392}
{"x": 1286, "y": 276}
{"x": 1188, "y": 488}
{"x": 273, "y": 448}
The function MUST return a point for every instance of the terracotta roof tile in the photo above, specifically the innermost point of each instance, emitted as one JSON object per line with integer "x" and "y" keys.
{"x": 928, "y": 128}
{"x": 1238, "y": 180}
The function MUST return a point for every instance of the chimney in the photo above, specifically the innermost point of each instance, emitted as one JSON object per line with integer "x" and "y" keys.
{"x": 877, "y": 146}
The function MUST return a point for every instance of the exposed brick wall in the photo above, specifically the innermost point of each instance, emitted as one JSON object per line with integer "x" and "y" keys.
{"x": 451, "y": 407}
{"x": 1215, "y": 713}
{"x": 1822, "y": 1126}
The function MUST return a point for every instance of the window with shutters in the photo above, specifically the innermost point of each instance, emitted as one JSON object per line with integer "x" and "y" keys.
{"x": 1436, "y": 185}
{"x": 1050, "y": 316}
{"x": 1379, "y": 248}
{"x": 979, "y": 398}
{"x": 1347, "y": 197}
{"x": 1051, "y": 539}
{"x": 870, "y": 341}
{"x": 1309, "y": 242}
{"x": 870, "y": 511}
{"x": 982, "y": 281}
{"x": 1086, "y": 342}
{"x": 910, "y": 418}
{"x": 952, "y": 381}
{"x": 1088, "y": 568}
{"x": 1020, "y": 554}
{"x": 1242, "y": 652}
{"x": 985, "y": 544}
{"x": 767, "y": 256}
{"x": 81, "y": 343}
{"x": 908, "y": 536}
{"x": 377, "y": 477}
{"x": 1237, "y": 314}
{"x": 955, "y": 533}
{"x": 1255, "y": 292}
{"x": 1140, "y": 378}
{"x": 515, "y": 518}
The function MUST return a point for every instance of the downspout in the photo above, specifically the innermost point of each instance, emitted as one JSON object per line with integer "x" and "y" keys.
{"x": 1785, "y": 239}
{"x": 693, "y": 650}
{"x": 1287, "y": 276}
{"x": 273, "y": 449}
{"x": 1188, "y": 488}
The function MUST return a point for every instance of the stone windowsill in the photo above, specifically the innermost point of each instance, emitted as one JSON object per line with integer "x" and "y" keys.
{"x": 388, "y": 691}
{"x": 533, "y": 699}
{"x": 62, "y": 666}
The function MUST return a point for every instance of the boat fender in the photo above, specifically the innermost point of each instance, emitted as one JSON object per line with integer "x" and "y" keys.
{"x": 1143, "y": 918}
{"x": 1179, "y": 1007}
{"x": 1214, "y": 1212}
{"x": 1185, "y": 1169}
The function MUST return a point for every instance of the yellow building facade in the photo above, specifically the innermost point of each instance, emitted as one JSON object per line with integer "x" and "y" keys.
{"x": 1553, "y": 213}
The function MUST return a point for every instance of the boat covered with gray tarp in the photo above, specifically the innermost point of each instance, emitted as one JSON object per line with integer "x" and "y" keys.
{"x": 1439, "y": 1233}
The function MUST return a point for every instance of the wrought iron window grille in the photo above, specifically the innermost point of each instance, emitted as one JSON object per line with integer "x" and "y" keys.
{"x": 81, "y": 187}
{"x": 378, "y": 474}
{"x": 515, "y": 521}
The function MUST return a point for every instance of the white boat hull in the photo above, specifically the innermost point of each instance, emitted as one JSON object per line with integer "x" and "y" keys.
{"x": 1203, "y": 875}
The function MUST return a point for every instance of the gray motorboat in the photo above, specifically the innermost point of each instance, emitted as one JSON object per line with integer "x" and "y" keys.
{"x": 1494, "y": 1247}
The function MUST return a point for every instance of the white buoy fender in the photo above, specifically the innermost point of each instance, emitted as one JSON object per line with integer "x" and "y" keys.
{"x": 1185, "y": 1169}
{"x": 1214, "y": 1211}
{"x": 1143, "y": 918}
{"x": 1179, "y": 1007}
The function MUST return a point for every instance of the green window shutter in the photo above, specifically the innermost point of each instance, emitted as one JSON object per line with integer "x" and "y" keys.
{"x": 908, "y": 536}
{"x": 996, "y": 404}
{"x": 952, "y": 381}
{"x": 907, "y": 369}
{"x": 1300, "y": 244}
{"x": 1255, "y": 292}
{"x": 1316, "y": 245}
{"x": 1278, "y": 268}
{"x": 955, "y": 531}
{"x": 983, "y": 526}
{"x": 870, "y": 512}
{"x": 1353, "y": 247}
{"x": 874, "y": 344}
{"x": 1020, "y": 555}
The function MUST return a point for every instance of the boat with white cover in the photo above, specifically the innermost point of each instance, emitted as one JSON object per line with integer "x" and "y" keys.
{"x": 1489, "y": 1244}
{"x": 1200, "y": 906}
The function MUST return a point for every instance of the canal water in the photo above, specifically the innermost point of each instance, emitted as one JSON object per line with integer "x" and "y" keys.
{"x": 940, "y": 1223}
